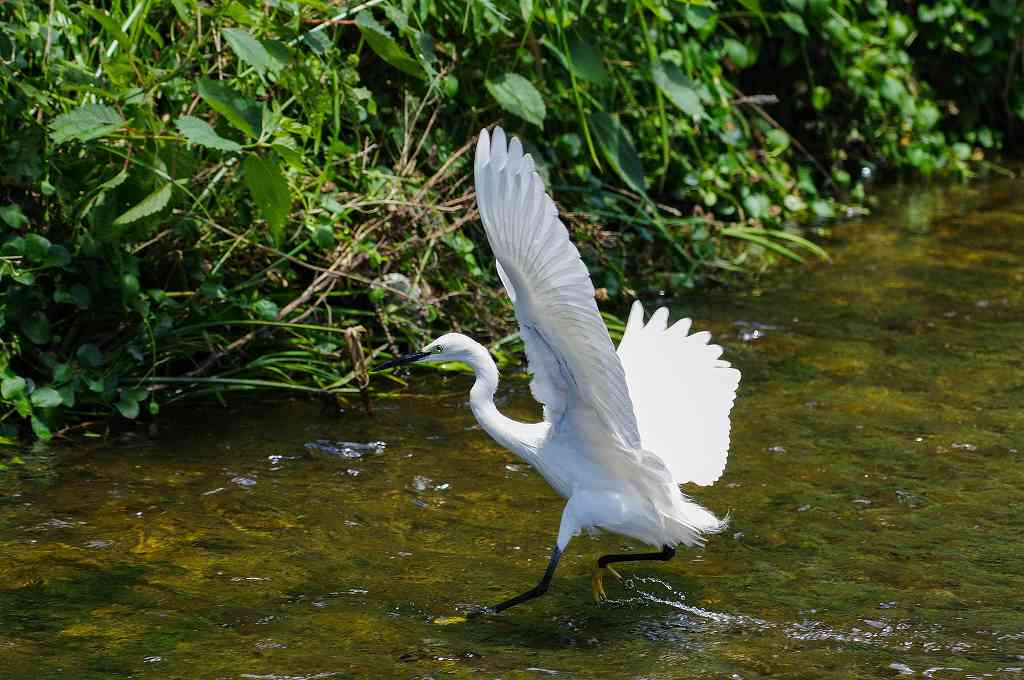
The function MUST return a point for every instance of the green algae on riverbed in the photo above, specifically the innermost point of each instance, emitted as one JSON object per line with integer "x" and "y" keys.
{"x": 876, "y": 485}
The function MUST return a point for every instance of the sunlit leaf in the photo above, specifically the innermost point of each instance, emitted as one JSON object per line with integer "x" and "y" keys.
{"x": 270, "y": 191}
{"x": 254, "y": 52}
{"x": 386, "y": 47}
{"x": 90, "y": 121}
{"x": 198, "y": 131}
{"x": 46, "y": 397}
{"x": 151, "y": 204}
{"x": 243, "y": 113}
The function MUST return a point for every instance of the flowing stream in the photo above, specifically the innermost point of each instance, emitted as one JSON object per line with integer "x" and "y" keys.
{"x": 875, "y": 482}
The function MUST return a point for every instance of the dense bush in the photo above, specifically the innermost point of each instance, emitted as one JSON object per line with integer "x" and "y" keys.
{"x": 206, "y": 197}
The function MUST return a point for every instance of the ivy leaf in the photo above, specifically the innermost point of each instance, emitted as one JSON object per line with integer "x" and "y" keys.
{"x": 46, "y": 397}
{"x": 386, "y": 47}
{"x": 269, "y": 190}
{"x": 37, "y": 328}
{"x": 244, "y": 114}
{"x": 198, "y": 131}
{"x": 618, "y": 150}
{"x": 90, "y": 121}
{"x": 151, "y": 204}
{"x": 40, "y": 428}
{"x": 795, "y": 22}
{"x": 253, "y": 52}
{"x": 679, "y": 89}
{"x": 518, "y": 96}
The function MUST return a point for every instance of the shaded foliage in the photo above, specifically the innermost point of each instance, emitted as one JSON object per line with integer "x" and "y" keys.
{"x": 234, "y": 196}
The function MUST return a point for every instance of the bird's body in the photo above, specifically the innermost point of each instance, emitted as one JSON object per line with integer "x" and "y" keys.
{"x": 621, "y": 429}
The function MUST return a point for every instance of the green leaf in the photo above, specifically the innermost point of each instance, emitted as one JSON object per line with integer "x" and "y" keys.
{"x": 107, "y": 22}
{"x": 129, "y": 408}
{"x": 518, "y": 96}
{"x": 198, "y": 131}
{"x": 244, "y": 114}
{"x": 57, "y": 256}
{"x": 36, "y": 247}
{"x": 37, "y": 328}
{"x": 618, "y": 150}
{"x": 151, "y": 204}
{"x": 795, "y": 22}
{"x": 586, "y": 60}
{"x": 820, "y": 97}
{"x": 12, "y": 388}
{"x": 90, "y": 121}
{"x": 269, "y": 190}
{"x": 13, "y": 216}
{"x": 381, "y": 42}
{"x": 740, "y": 55}
{"x": 67, "y": 395}
{"x": 89, "y": 355}
{"x": 40, "y": 428}
{"x": 757, "y": 205}
{"x": 253, "y": 52}
{"x": 266, "y": 309}
{"x": 679, "y": 89}
{"x": 46, "y": 397}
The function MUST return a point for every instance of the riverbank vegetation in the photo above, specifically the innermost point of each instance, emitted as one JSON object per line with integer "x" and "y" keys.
{"x": 205, "y": 198}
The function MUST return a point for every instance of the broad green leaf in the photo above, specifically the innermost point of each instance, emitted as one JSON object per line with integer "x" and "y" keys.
{"x": 679, "y": 89}
{"x": 893, "y": 90}
{"x": 12, "y": 388}
{"x": 129, "y": 408}
{"x": 795, "y": 22}
{"x": 107, "y": 22}
{"x": 37, "y": 328}
{"x": 739, "y": 54}
{"x": 46, "y": 397}
{"x": 586, "y": 60}
{"x": 266, "y": 309}
{"x": 151, "y": 204}
{"x": 57, "y": 256}
{"x": 36, "y": 247}
{"x": 89, "y": 355}
{"x": 618, "y": 150}
{"x": 13, "y": 216}
{"x": 198, "y": 131}
{"x": 518, "y": 96}
{"x": 386, "y": 47}
{"x": 90, "y": 121}
{"x": 269, "y": 190}
{"x": 40, "y": 428}
{"x": 253, "y": 52}
{"x": 244, "y": 114}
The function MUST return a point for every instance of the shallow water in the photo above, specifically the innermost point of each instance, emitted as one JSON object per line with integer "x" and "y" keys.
{"x": 876, "y": 485}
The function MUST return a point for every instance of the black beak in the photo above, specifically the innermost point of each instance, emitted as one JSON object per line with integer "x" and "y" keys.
{"x": 407, "y": 359}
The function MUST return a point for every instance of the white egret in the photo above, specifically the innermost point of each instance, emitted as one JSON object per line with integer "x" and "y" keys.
{"x": 621, "y": 430}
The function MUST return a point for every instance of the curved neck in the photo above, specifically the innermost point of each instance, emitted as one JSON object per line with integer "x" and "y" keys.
{"x": 504, "y": 430}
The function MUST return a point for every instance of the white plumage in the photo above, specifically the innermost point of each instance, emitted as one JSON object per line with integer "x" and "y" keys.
{"x": 621, "y": 430}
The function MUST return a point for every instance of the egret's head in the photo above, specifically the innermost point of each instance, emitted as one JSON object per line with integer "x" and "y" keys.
{"x": 448, "y": 347}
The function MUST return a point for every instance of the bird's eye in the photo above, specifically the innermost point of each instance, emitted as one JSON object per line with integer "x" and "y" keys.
{"x": 438, "y": 349}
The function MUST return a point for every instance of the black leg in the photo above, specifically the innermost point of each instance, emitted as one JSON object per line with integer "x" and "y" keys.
{"x": 530, "y": 594}
{"x": 665, "y": 555}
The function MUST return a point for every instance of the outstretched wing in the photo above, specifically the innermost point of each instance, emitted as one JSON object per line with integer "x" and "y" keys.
{"x": 682, "y": 393}
{"x": 571, "y": 356}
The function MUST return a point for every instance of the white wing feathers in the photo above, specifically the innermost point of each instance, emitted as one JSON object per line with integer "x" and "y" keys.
{"x": 570, "y": 354}
{"x": 682, "y": 393}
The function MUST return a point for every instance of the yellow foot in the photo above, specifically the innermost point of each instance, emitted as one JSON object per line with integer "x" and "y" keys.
{"x": 597, "y": 583}
{"x": 449, "y": 620}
